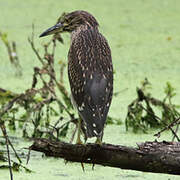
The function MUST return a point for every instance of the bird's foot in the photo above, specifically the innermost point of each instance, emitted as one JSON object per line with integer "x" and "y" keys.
{"x": 93, "y": 165}
{"x": 78, "y": 141}
{"x": 98, "y": 141}
{"x": 82, "y": 165}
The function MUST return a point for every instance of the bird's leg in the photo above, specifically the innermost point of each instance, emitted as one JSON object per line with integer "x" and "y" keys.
{"x": 99, "y": 139}
{"x": 78, "y": 141}
{"x": 99, "y": 142}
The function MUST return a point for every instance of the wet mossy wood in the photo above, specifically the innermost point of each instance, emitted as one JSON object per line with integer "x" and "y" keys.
{"x": 157, "y": 157}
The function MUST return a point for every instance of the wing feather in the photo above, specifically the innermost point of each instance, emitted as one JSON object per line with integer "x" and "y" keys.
{"x": 91, "y": 79}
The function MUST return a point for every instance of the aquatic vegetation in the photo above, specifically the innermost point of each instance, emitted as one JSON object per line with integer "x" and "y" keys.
{"x": 139, "y": 35}
{"x": 12, "y": 53}
{"x": 143, "y": 112}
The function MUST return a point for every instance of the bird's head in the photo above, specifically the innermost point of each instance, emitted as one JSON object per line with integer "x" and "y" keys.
{"x": 69, "y": 22}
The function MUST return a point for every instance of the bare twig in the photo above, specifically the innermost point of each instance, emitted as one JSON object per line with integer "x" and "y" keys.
{"x": 176, "y": 122}
{"x": 3, "y": 129}
{"x": 16, "y": 59}
{"x": 12, "y": 53}
{"x": 73, "y": 134}
{"x": 9, "y": 105}
{"x": 63, "y": 65}
{"x": 177, "y": 128}
{"x": 167, "y": 126}
{"x": 31, "y": 41}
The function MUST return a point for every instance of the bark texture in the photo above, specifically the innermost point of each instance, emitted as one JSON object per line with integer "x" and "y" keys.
{"x": 157, "y": 157}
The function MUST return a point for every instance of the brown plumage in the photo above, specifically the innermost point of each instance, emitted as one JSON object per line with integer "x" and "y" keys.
{"x": 90, "y": 69}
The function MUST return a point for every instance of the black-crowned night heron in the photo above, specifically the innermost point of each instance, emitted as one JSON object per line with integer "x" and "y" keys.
{"x": 90, "y": 70}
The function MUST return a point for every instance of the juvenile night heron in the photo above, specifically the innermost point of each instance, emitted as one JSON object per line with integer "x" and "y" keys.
{"x": 90, "y": 70}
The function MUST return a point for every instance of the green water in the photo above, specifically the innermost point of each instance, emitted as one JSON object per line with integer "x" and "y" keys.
{"x": 138, "y": 33}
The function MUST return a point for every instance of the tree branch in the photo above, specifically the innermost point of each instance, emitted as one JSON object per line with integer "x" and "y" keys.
{"x": 157, "y": 157}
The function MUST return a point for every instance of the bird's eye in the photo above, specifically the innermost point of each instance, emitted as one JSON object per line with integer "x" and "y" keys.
{"x": 66, "y": 22}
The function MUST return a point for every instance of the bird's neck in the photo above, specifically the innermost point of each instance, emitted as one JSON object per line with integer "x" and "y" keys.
{"x": 80, "y": 29}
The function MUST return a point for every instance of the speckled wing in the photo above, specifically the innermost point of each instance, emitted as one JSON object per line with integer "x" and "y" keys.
{"x": 91, "y": 78}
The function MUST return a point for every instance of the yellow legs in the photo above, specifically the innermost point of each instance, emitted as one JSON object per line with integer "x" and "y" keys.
{"x": 78, "y": 141}
{"x": 98, "y": 141}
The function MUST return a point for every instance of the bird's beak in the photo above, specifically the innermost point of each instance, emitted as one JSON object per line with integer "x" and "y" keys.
{"x": 52, "y": 30}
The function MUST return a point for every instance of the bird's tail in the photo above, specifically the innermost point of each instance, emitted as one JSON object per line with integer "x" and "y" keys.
{"x": 95, "y": 128}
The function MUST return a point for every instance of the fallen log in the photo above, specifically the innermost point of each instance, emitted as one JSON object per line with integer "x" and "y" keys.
{"x": 157, "y": 157}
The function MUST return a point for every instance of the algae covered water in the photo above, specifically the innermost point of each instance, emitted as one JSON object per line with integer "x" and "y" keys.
{"x": 144, "y": 39}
